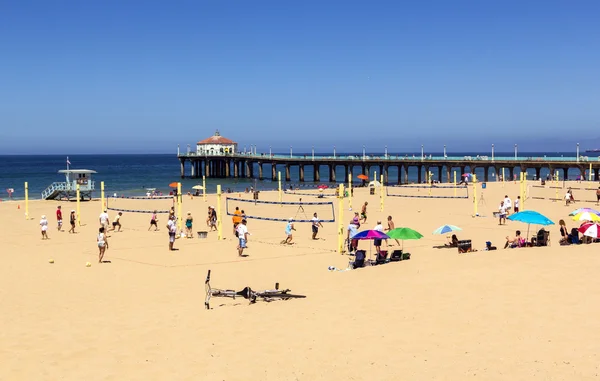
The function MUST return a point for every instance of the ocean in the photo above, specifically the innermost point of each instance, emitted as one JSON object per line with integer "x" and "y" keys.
{"x": 130, "y": 175}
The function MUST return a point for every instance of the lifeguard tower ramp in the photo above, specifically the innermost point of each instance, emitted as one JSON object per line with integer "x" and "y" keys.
{"x": 67, "y": 190}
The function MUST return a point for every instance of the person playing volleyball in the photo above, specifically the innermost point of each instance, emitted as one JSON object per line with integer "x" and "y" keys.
{"x": 288, "y": 232}
{"x": 153, "y": 221}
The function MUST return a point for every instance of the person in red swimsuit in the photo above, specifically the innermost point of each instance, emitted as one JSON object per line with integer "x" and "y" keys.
{"x": 59, "y": 218}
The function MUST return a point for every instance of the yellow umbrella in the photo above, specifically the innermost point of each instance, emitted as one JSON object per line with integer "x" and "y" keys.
{"x": 586, "y": 216}
{"x": 199, "y": 187}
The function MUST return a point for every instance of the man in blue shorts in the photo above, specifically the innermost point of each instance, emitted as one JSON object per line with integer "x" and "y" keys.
{"x": 242, "y": 231}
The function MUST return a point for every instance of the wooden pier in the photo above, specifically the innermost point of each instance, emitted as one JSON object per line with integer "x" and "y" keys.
{"x": 241, "y": 165}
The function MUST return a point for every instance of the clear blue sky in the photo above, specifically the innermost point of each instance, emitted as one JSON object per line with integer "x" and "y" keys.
{"x": 134, "y": 76}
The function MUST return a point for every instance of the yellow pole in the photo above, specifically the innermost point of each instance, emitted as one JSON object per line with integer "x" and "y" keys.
{"x": 429, "y": 181}
{"x": 502, "y": 177}
{"x": 381, "y": 191}
{"x": 556, "y": 184}
{"x": 204, "y": 188}
{"x": 454, "y": 183}
{"x": 475, "y": 195}
{"x": 26, "y": 200}
{"x": 341, "y": 219}
{"x": 179, "y": 216}
{"x": 78, "y": 202}
{"x": 522, "y": 194}
{"x": 280, "y": 195}
{"x": 350, "y": 190}
{"x": 219, "y": 224}
{"x": 102, "y": 196}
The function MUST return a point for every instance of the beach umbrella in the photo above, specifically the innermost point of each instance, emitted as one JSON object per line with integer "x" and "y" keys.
{"x": 404, "y": 234}
{"x": 530, "y": 217}
{"x": 446, "y": 229}
{"x": 173, "y": 185}
{"x": 586, "y": 216}
{"x": 322, "y": 186}
{"x": 375, "y": 184}
{"x": 362, "y": 177}
{"x": 198, "y": 187}
{"x": 590, "y": 230}
{"x": 583, "y": 210}
{"x": 370, "y": 235}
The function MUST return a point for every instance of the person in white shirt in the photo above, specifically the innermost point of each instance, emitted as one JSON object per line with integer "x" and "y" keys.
{"x": 517, "y": 204}
{"x": 377, "y": 242}
{"x": 316, "y": 223}
{"x": 502, "y": 213}
{"x": 102, "y": 244}
{"x": 242, "y": 232}
{"x": 507, "y": 204}
{"x": 44, "y": 227}
{"x": 104, "y": 220}
{"x": 172, "y": 228}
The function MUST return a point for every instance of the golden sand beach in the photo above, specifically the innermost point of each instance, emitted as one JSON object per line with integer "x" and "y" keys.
{"x": 514, "y": 314}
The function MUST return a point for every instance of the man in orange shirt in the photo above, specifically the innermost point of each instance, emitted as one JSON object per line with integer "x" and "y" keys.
{"x": 237, "y": 218}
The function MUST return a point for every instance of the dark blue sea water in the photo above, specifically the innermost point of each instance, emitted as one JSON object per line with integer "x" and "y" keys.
{"x": 131, "y": 174}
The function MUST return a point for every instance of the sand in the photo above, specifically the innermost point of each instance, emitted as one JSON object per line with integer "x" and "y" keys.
{"x": 520, "y": 314}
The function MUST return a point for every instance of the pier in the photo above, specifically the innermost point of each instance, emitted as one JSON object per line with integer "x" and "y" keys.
{"x": 254, "y": 165}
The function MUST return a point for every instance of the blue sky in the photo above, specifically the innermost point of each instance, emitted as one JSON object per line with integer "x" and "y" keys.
{"x": 144, "y": 76}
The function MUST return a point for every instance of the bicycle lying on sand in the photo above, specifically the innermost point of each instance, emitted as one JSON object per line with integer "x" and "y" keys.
{"x": 247, "y": 293}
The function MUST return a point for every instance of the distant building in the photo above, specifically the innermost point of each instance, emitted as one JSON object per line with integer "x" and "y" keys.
{"x": 216, "y": 145}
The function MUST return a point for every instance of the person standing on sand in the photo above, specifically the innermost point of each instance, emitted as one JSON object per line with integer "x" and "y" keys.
{"x": 172, "y": 227}
{"x": 598, "y": 196}
{"x": 44, "y": 227}
{"x": 154, "y": 221}
{"x": 352, "y": 230}
{"x": 507, "y": 204}
{"x": 363, "y": 213}
{"x": 377, "y": 242}
{"x": 102, "y": 244}
{"x": 236, "y": 219}
{"x": 59, "y": 218}
{"x": 502, "y": 213}
{"x": 517, "y": 204}
{"x": 188, "y": 225}
{"x": 242, "y": 233}
{"x": 316, "y": 223}
{"x": 72, "y": 220}
{"x": 391, "y": 226}
{"x": 104, "y": 220}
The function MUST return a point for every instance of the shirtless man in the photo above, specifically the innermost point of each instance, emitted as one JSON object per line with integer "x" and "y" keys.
{"x": 391, "y": 226}
{"x": 363, "y": 212}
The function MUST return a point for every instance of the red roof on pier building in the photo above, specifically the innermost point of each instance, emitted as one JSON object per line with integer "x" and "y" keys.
{"x": 216, "y": 139}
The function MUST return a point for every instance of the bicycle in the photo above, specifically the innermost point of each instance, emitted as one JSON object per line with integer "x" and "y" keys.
{"x": 247, "y": 293}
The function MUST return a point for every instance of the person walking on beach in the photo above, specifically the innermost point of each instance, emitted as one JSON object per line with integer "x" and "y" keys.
{"x": 316, "y": 223}
{"x": 502, "y": 213}
{"x": 172, "y": 227}
{"x": 507, "y": 204}
{"x": 377, "y": 242}
{"x": 188, "y": 225}
{"x": 154, "y": 221}
{"x": 236, "y": 219}
{"x": 391, "y": 226}
{"x": 102, "y": 244}
{"x": 517, "y": 204}
{"x": 44, "y": 227}
{"x": 117, "y": 222}
{"x": 209, "y": 216}
{"x": 242, "y": 233}
{"x": 363, "y": 213}
{"x": 59, "y": 218}
{"x": 213, "y": 219}
{"x": 289, "y": 227}
{"x": 72, "y": 220}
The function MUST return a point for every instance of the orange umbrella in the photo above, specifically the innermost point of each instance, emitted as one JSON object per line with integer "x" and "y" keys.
{"x": 173, "y": 185}
{"x": 363, "y": 177}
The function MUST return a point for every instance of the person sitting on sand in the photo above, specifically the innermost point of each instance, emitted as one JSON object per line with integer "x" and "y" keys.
{"x": 518, "y": 241}
{"x": 452, "y": 242}
{"x": 564, "y": 233}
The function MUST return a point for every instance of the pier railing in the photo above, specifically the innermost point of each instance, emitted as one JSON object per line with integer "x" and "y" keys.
{"x": 396, "y": 157}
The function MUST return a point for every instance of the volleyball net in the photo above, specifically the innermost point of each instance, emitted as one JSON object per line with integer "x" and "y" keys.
{"x": 557, "y": 192}
{"x": 140, "y": 204}
{"x": 428, "y": 191}
{"x": 298, "y": 211}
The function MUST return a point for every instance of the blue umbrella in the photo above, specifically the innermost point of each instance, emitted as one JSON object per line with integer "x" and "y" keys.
{"x": 530, "y": 217}
{"x": 446, "y": 229}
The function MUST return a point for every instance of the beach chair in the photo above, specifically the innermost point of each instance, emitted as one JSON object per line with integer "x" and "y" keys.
{"x": 381, "y": 257}
{"x": 541, "y": 239}
{"x": 359, "y": 259}
{"x": 464, "y": 246}
{"x": 399, "y": 255}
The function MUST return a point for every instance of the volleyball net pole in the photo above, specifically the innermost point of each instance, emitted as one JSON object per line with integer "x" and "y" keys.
{"x": 219, "y": 219}
{"x": 78, "y": 204}
{"x": 204, "y": 188}
{"x": 350, "y": 190}
{"x": 179, "y": 217}
{"x": 26, "y": 200}
{"x": 475, "y": 195}
{"x": 381, "y": 192}
{"x": 279, "y": 181}
{"x": 341, "y": 219}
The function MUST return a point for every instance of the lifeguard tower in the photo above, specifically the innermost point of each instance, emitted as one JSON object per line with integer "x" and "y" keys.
{"x": 68, "y": 189}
